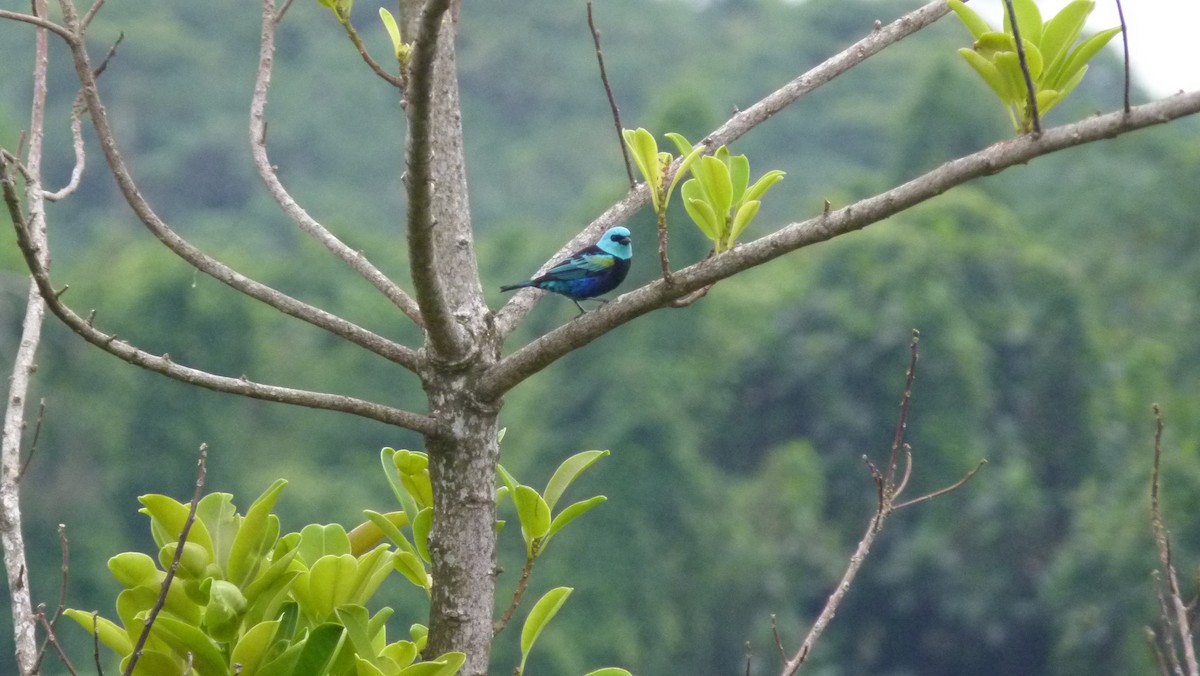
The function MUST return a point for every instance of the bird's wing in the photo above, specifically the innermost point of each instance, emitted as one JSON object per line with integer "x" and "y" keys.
{"x": 582, "y": 264}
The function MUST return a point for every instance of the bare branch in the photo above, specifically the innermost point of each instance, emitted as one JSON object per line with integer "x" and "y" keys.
{"x": 545, "y": 350}
{"x": 1163, "y": 540}
{"x": 187, "y": 251}
{"x": 166, "y": 366}
{"x": 942, "y": 491}
{"x": 11, "y": 537}
{"x": 266, "y": 171}
{"x": 37, "y": 432}
{"x": 518, "y": 593}
{"x": 1030, "y": 90}
{"x": 447, "y": 337}
{"x": 201, "y": 472}
{"x": 612, "y": 100}
{"x": 396, "y": 81}
{"x": 737, "y": 125}
{"x": 41, "y": 616}
{"x": 36, "y": 21}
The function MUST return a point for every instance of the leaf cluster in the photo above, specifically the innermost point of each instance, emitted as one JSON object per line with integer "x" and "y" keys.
{"x": 718, "y": 197}
{"x": 1056, "y": 58}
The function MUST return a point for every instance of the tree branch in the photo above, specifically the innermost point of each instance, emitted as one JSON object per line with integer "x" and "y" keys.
{"x": 1163, "y": 540}
{"x": 194, "y": 256}
{"x": 166, "y": 366}
{"x": 991, "y": 160}
{"x": 201, "y": 473}
{"x": 266, "y": 171}
{"x": 11, "y": 537}
{"x": 743, "y": 121}
{"x": 447, "y": 337}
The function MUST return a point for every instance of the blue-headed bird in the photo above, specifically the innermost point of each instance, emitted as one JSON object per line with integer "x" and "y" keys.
{"x": 589, "y": 272}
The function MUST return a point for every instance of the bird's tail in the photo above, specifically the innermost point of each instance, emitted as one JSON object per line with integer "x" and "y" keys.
{"x": 518, "y": 285}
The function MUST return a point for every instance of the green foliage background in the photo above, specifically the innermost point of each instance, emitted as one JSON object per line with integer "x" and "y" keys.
{"x": 1055, "y": 302}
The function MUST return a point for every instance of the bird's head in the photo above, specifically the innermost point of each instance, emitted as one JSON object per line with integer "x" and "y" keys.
{"x": 616, "y": 241}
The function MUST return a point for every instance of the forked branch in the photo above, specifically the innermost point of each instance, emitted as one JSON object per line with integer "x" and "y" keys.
{"x": 165, "y": 365}
{"x": 266, "y": 171}
{"x": 887, "y": 491}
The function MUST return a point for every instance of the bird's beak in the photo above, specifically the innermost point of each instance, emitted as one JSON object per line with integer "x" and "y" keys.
{"x": 623, "y": 240}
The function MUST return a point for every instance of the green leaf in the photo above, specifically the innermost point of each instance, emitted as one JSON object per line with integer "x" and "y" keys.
{"x": 168, "y": 517}
{"x": 969, "y": 18}
{"x": 318, "y": 649}
{"x": 445, "y": 665}
{"x": 989, "y": 44}
{"x": 185, "y": 638}
{"x": 1063, "y": 30}
{"x": 364, "y": 668}
{"x": 220, "y": 518}
{"x": 254, "y": 539}
{"x": 739, "y": 177}
{"x": 401, "y": 652}
{"x": 763, "y": 184}
{"x": 715, "y": 180}
{"x": 567, "y": 472}
{"x": 609, "y": 671}
{"x": 134, "y": 569}
{"x": 252, "y": 648}
{"x": 327, "y": 585}
{"x": 155, "y": 663}
{"x": 389, "y": 525}
{"x": 421, "y": 527}
{"x": 222, "y": 614}
{"x": 393, "y": 31}
{"x": 990, "y": 74}
{"x": 318, "y": 540}
{"x": 704, "y": 217}
{"x": 684, "y": 166}
{"x": 742, "y": 218}
{"x": 110, "y": 634}
{"x": 644, "y": 149}
{"x": 1029, "y": 20}
{"x": 373, "y": 569}
{"x": 571, "y": 513}
{"x": 543, "y": 611}
{"x": 533, "y": 513}
{"x": 1009, "y": 66}
{"x": 354, "y": 618}
{"x": 411, "y": 567}
{"x": 1080, "y": 55}
{"x": 683, "y": 145}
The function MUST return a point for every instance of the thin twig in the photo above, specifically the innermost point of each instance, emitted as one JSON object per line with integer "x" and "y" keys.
{"x": 778, "y": 641}
{"x": 1029, "y": 88}
{"x": 1168, "y": 636}
{"x": 612, "y": 100}
{"x": 942, "y": 491}
{"x": 1125, "y": 50}
{"x": 522, "y": 584}
{"x": 902, "y": 421}
{"x": 201, "y": 472}
{"x": 33, "y": 445}
{"x": 96, "y": 642}
{"x": 41, "y": 616}
{"x": 62, "y": 597}
{"x": 1163, "y": 540}
{"x": 394, "y": 80}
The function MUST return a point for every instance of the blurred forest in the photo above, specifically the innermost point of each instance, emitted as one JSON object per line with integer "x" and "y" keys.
{"x": 1055, "y": 302}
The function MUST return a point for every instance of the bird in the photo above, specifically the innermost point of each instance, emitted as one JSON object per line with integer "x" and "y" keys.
{"x": 589, "y": 272}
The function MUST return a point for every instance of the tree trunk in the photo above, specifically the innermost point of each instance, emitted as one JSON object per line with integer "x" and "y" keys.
{"x": 462, "y": 465}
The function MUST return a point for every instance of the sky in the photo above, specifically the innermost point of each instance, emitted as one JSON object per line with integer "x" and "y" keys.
{"x": 1164, "y": 53}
